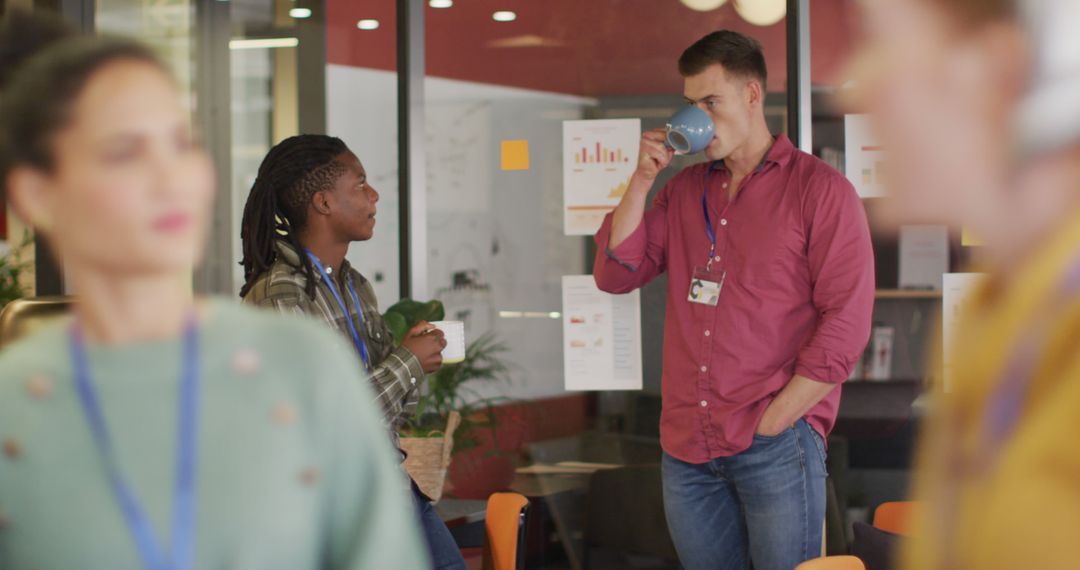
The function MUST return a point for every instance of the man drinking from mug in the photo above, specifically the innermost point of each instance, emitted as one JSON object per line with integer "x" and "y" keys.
{"x": 769, "y": 299}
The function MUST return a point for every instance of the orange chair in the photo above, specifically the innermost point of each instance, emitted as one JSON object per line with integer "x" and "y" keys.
{"x": 833, "y": 563}
{"x": 894, "y": 517}
{"x": 504, "y": 548}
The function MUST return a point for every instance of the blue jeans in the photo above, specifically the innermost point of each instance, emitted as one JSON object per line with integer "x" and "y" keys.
{"x": 765, "y": 505}
{"x": 445, "y": 554}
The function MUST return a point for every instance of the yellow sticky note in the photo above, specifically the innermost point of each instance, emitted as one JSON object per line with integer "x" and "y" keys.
{"x": 515, "y": 155}
{"x": 968, "y": 239}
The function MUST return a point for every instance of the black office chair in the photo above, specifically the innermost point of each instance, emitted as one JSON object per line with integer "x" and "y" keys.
{"x": 625, "y": 519}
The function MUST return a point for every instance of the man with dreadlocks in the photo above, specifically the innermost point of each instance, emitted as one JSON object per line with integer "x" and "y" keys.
{"x": 310, "y": 200}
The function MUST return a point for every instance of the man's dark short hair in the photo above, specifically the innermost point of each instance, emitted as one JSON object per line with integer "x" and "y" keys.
{"x": 738, "y": 54}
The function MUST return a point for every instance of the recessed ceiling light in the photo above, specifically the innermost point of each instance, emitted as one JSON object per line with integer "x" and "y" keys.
{"x": 525, "y": 41}
{"x": 368, "y": 24}
{"x": 504, "y": 16}
{"x": 300, "y": 13}
{"x": 264, "y": 43}
{"x": 441, "y": 3}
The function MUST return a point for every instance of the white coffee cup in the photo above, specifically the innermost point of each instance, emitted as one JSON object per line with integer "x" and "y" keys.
{"x": 455, "y": 340}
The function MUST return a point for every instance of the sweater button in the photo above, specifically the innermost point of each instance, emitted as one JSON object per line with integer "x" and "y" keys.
{"x": 12, "y": 449}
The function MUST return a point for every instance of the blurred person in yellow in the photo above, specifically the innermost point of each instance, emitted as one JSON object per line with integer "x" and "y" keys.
{"x": 154, "y": 429}
{"x": 978, "y": 105}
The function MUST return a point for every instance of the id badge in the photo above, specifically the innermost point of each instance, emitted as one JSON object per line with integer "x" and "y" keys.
{"x": 706, "y": 285}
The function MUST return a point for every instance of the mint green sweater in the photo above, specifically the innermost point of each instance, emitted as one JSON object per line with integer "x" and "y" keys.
{"x": 295, "y": 470}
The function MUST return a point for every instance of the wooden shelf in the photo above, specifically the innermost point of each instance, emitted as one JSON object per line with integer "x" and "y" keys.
{"x": 907, "y": 294}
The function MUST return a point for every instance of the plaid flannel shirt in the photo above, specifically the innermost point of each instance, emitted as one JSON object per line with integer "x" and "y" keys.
{"x": 395, "y": 372}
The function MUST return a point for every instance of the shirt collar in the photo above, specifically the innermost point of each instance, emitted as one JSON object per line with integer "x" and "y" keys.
{"x": 288, "y": 254}
{"x": 780, "y": 153}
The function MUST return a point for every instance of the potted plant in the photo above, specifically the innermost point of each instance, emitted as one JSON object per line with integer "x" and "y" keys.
{"x": 12, "y": 268}
{"x": 451, "y": 409}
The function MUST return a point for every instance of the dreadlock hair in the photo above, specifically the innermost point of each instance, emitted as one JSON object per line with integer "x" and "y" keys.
{"x": 292, "y": 172}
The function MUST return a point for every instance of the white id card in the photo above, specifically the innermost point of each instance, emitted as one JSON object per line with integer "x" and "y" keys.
{"x": 706, "y": 285}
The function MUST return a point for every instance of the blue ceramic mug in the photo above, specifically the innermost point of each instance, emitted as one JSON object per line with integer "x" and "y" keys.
{"x": 690, "y": 130}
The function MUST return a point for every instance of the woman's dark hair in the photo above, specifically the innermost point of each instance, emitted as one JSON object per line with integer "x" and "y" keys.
{"x": 44, "y": 66}
{"x": 738, "y": 54}
{"x": 292, "y": 172}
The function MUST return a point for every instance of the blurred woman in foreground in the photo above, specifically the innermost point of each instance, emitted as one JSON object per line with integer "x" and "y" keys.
{"x": 156, "y": 430}
{"x": 978, "y": 104}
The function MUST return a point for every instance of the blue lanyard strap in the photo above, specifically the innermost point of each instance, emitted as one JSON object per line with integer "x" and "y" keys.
{"x": 705, "y": 200}
{"x": 361, "y": 345}
{"x": 1004, "y": 409}
{"x": 1006, "y": 402}
{"x": 708, "y": 222}
{"x": 184, "y": 499}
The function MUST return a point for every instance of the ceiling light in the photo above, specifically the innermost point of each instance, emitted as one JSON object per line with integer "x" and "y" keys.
{"x": 264, "y": 43}
{"x": 441, "y": 3}
{"x": 761, "y": 12}
{"x": 525, "y": 41}
{"x": 368, "y": 24}
{"x": 300, "y": 13}
{"x": 504, "y": 16}
{"x": 703, "y": 5}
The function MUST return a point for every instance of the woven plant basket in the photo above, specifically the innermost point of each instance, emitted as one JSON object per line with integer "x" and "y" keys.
{"x": 427, "y": 458}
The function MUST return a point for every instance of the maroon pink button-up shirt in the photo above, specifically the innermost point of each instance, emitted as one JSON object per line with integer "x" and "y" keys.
{"x": 797, "y": 298}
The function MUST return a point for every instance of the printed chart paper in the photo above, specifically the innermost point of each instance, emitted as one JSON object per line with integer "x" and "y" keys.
{"x": 957, "y": 287}
{"x": 863, "y": 157}
{"x": 924, "y": 256}
{"x": 601, "y": 337}
{"x": 598, "y": 159}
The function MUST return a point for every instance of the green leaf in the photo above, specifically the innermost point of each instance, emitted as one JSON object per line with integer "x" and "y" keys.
{"x": 453, "y": 388}
{"x": 12, "y": 267}
{"x": 409, "y": 309}
{"x": 398, "y": 325}
{"x": 432, "y": 311}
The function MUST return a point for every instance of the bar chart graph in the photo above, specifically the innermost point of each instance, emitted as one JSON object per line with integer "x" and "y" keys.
{"x": 599, "y": 154}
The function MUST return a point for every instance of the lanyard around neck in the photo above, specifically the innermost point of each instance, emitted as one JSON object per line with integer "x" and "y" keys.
{"x": 361, "y": 345}
{"x": 708, "y": 220}
{"x": 705, "y": 200}
{"x": 151, "y": 552}
{"x": 1007, "y": 401}
{"x": 1003, "y": 413}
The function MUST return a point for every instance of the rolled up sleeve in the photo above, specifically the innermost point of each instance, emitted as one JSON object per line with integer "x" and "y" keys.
{"x": 639, "y": 258}
{"x": 841, "y": 261}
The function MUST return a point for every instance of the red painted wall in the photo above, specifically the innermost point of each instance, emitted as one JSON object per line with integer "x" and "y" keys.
{"x": 593, "y": 47}
{"x": 478, "y": 472}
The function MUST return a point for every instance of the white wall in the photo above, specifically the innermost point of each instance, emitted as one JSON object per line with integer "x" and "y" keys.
{"x": 252, "y": 108}
{"x": 503, "y": 227}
